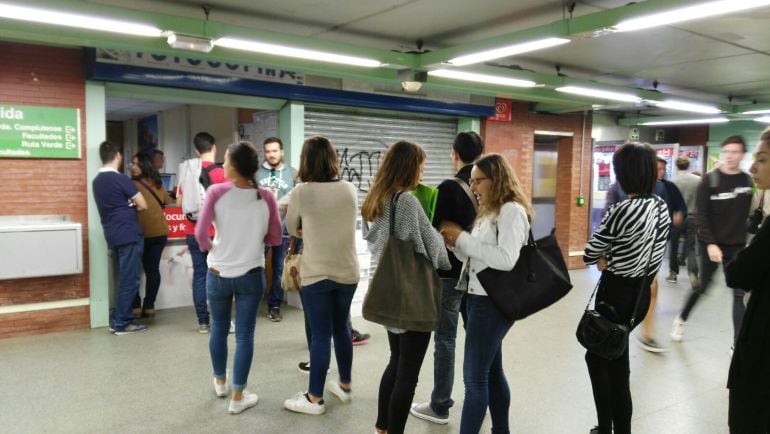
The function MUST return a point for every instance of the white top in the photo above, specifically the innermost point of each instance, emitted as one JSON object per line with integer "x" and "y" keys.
{"x": 326, "y": 212}
{"x": 494, "y": 242}
{"x": 244, "y": 225}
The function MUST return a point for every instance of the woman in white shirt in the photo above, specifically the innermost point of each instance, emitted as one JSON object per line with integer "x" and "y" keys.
{"x": 246, "y": 219}
{"x": 500, "y": 231}
{"x": 322, "y": 210}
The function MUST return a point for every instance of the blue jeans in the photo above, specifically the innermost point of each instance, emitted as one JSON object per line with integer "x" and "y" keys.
{"x": 485, "y": 382}
{"x": 327, "y": 304}
{"x": 200, "y": 268}
{"x": 275, "y": 298}
{"x": 444, "y": 349}
{"x": 128, "y": 259}
{"x": 153, "y": 249}
{"x": 247, "y": 290}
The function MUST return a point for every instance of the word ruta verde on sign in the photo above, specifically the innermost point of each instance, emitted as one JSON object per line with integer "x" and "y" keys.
{"x": 39, "y": 132}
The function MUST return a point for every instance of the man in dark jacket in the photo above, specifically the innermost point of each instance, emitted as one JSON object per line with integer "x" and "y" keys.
{"x": 723, "y": 201}
{"x": 457, "y": 204}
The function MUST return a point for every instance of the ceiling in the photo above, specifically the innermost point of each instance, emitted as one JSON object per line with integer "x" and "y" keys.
{"x": 723, "y": 60}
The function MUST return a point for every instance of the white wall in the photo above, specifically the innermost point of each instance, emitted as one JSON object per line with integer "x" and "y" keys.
{"x": 220, "y": 122}
{"x": 175, "y": 141}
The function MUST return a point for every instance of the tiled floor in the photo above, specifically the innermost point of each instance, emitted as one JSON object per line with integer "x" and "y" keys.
{"x": 160, "y": 381}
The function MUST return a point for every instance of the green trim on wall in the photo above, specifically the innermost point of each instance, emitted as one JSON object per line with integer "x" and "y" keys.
{"x": 469, "y": 124}
{"x": 98, "y": 254}
{"x": 291, "y": 129}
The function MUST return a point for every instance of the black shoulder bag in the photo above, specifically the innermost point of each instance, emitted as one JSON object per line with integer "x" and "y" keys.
{"x": 602, "y": 336}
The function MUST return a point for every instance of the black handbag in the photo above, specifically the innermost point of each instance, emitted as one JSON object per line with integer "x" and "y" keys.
{"x": 405, "y": 291}
{"x": 538, "y": 280}
{"x": 603, "y": 336}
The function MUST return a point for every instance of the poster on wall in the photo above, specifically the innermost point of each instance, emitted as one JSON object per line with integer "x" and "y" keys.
{"x": 669, "y": 153}
{"x": 695, "y": 154}
{"x": 147, "y": 130}
{"x": 503, "y": 108}
{"x": 39, "y": 132}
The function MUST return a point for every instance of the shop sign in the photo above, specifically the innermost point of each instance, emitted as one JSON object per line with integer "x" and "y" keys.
{"x": 177, "y": 222}
{"x": 39, "y": 132}
{"x": 502, "y": 110}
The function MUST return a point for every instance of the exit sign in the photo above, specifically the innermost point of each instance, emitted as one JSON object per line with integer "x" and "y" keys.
{"x": 39, "y": 132}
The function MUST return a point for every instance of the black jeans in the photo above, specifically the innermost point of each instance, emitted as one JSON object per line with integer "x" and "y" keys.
{"x": 690, "y": 232}
{"x": 407, "y": 351}
{"x": 748, "y": 413}
{"x": 153, "y": 249}
{"x": 609, "y": 378}
{"x": 708, "y": 268}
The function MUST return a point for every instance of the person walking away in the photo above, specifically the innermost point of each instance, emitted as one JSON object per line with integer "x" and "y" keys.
{"x": 687, "y": 183}
{"x": 280, "y": 179}
{"x": 455, "y": 203}
{"x": 399, "y": 173}
{"x": 322, "y": 210}
{"x": 246, "y": 218}
{"x": 154, "y": 227}
{"x": 118, "y": 202}
{"x": 206, "y": 149}
{"x": 749, "y": 376}
{"x": 500, "y": 231}
{"x": 723, "y": 201}
{"x": 632, "y": 233}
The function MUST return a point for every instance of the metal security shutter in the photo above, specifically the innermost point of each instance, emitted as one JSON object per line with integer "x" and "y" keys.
{"x": 361, "y": 140}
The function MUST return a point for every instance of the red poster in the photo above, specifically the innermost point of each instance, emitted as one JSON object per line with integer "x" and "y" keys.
{"x": 502, "y": 110}
{"x": 176, "y": 222}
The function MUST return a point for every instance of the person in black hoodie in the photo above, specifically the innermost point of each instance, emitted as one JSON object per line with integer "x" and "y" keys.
{"x": 723, "y": 202}
{"x": 749, "y": 378}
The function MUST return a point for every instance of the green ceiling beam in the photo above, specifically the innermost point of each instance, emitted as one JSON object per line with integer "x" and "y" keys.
{"x": 751, "y": 107}
{"x": 579, "y": 26}
{"x": 639, "y": 120}
{"x": 560, "y": 109}
{"x": 185, "y": 96}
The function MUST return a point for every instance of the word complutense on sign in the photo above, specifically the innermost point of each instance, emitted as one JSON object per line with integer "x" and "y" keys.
{"x": 39, "y": 132}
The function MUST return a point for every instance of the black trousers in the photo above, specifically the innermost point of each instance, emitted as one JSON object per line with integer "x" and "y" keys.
{"x": 610, "y": 378}
{"x": 748, "y": 413}
{"x": 407, "y": 351}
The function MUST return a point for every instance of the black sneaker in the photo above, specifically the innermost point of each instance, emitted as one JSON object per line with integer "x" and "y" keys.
{"x": 358, "y": 337}
{"x": 274, "y": 314}
{"x": 671, "y": 278}
{"x": 129, "y": 329}
{"x": 304, "y": 367}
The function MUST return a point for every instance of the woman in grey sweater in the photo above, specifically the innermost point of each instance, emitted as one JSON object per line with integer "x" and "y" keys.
{"x": 400, "y": 173}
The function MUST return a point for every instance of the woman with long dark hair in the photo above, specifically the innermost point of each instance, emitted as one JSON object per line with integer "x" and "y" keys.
{"x": 399, "y": 173}
{"x": 632, "y": 234}
{"x": 154, "y": 229}
{"x": 322, "y": 210}
{"x": 246, "y": 219}
{"x": 499, "y": 232}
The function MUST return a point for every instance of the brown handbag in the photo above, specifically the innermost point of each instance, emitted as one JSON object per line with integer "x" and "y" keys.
{"x": 291, "y": 279}
{"x": 405, "y": 291}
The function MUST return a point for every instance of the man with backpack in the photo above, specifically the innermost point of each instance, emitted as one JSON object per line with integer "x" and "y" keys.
{"x": 723, "y": 201}
{"x": 195, "y": 175}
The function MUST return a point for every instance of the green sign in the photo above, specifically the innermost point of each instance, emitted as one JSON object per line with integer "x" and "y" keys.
{"x": 39, "y": 132}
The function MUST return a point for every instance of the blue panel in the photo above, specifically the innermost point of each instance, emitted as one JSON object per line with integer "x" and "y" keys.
{"x": 235, "y": 85}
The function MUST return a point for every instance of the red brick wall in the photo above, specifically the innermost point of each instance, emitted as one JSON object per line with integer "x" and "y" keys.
{"x": 52, "y": 77}
{"x": 515, "y": 140}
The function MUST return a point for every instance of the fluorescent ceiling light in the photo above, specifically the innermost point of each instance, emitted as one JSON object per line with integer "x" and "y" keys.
{"x": 765, "y": 119}
{"x": 688, "y": 13}
{"x": 688, "y": 121}
{"x": 510, "y": 50}
{"x": 481, "y": 78}
{"x": 68, "y": 19}
{"x": 687, "y": 107}
{"x": 598, "y": 93}
{"x": 299, "y": 53}
{"x": 756, "y": 112}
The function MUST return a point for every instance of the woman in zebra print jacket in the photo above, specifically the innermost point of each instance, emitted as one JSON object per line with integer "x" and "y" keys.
{"x": 629, "y": 233}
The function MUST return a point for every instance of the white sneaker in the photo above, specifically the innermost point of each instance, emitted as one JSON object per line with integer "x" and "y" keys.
{"x": 222, "y": 389}
{"x": 337, "y": 390}
{"x": 232, "y": 327}
{"x": 677, "y": 329}
{"x": 301, "y": 404}
{"x": 249, "y": 400}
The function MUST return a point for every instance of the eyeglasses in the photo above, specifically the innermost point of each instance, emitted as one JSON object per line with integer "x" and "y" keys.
{"x": 476, "y": 181}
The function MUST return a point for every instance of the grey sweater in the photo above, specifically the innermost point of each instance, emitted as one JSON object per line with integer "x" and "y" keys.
{"x": 411, "y": 225}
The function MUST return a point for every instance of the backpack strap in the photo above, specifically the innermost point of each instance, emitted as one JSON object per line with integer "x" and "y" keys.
{"x": 468, "y": 192}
